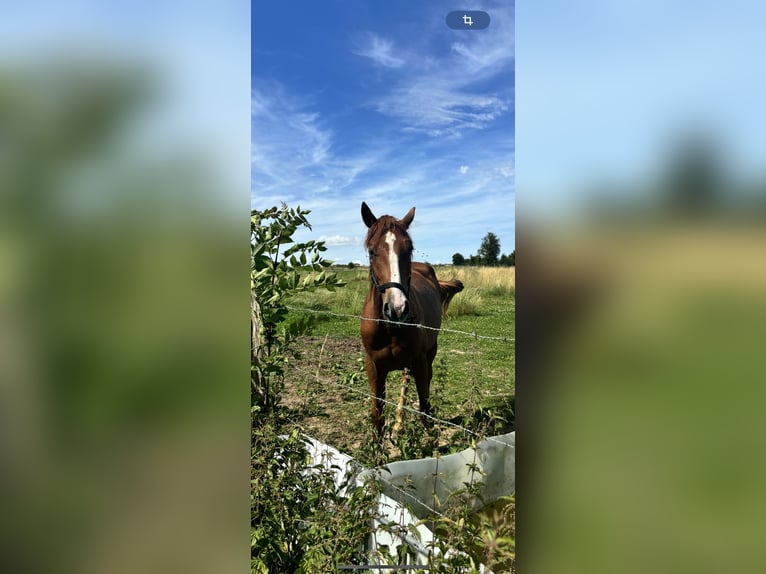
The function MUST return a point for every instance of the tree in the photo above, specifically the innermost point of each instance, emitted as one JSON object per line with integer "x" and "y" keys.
{"x": 490, "y": 249}
{"x": 694, "y": 179}
{"x": 458, "y": 259}
{"x": 508, "y": 260}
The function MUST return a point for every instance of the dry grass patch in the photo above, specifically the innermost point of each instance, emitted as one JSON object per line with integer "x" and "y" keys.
{"x": 480, "y": 283}
{"x": 498, "y": 279}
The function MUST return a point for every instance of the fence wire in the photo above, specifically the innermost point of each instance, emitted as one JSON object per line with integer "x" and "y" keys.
{"x": 399, "y": 324}
{"x": 403, "y": 407}
{"x": 417, "y": 412}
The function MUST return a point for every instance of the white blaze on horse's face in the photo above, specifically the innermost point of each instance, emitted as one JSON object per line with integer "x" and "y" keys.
{"x": 395, "y": 298}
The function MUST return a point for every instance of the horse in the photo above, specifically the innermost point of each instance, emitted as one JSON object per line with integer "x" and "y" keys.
{"x": 404, "y": 296}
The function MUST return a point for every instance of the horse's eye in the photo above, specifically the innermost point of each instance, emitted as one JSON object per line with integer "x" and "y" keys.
{"x": 372, "y": 253}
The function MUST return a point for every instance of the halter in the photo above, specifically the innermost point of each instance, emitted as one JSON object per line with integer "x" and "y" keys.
{"x": 390, "y": 284}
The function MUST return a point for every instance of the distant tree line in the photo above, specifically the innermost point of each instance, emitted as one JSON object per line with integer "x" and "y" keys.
{"x": 488, "y": 254}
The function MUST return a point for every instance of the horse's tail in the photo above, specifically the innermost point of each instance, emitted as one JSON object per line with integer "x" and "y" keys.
{"x": 448, "y": 290}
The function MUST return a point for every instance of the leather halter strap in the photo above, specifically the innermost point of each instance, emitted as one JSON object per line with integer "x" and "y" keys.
{"x": 389, "y": 285}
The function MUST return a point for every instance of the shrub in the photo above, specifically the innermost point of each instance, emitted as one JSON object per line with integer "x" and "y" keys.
{"x": 279, "y": 267}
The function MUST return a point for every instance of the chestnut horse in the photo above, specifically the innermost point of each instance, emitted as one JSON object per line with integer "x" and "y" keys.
{"x": 405, "y": 295}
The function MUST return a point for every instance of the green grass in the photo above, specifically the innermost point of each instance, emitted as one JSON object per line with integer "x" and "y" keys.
{"x": 345, "y": 300}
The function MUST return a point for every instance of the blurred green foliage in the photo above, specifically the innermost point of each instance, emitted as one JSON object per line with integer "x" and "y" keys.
{"x": 120, "y": 290}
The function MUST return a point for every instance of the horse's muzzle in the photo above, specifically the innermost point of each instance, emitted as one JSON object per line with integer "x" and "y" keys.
{"x": 390, "y": 311}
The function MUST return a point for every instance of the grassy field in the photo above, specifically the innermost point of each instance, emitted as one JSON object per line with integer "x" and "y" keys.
{"x": 474, "y": 379}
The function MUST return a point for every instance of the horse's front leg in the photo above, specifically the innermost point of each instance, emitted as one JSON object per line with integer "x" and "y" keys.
{"x": 421, "y": 371}
{"x": 377, "y": 379}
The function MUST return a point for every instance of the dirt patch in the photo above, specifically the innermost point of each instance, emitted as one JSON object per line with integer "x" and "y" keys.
{"x": 319, "y": 358}
{"x": 326, "y": 390}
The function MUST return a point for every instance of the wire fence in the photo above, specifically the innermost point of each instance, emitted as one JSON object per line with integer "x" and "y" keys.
{"x": 474, "y": 335}
{"x": 409, "y": 409}
{"x": 409, "y": 496}
{"x": 475, "y": 476}
{"x": 371, "y": 396}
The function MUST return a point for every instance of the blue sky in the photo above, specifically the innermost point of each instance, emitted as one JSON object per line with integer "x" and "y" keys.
{"x": 606, "y": 88}
{"x": 381, "y": 102}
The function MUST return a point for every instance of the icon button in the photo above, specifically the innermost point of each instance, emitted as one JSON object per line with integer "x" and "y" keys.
{"x": 468, "y": 20}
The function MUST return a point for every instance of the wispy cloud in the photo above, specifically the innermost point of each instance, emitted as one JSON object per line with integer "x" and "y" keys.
{"x": 447, "y": 94}
{"x": 299, "y": 161}
{"x": 292, "y": 148}
{"x": 282, "y": 128}
{"x": 506, "y": 170}
{"x": 491, "y": 52}
{"x": 378, "y": 49}
{"x": 340, "y": 240}
{"x": 483, "y": 57}
{"x": 437, "y": 108}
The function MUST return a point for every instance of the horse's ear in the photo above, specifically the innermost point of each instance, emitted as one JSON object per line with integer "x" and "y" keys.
{"x": 367, "y": 216}
{"x": 407, "y": 219}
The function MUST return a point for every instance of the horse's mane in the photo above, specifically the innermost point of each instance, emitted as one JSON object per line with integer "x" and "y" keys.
{"x": 383, "y": 225}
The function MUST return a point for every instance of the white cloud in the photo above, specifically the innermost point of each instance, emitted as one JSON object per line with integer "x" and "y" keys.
{"x": 464, "y": 169}
{"x": 292, "y": 148}
{"x": 467, "y": 87}
{"x": 282, "y": 128}
{"x": 340, "y": 240}
{"x": 506, "y": 170}
{"x": 485, "y": 56}
{"x": 379, "y": 50}
{"x": 440, "y": 109}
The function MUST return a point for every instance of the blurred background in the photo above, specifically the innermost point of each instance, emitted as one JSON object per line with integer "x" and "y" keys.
{"x": 124, "y": 182}
{"x": 641, "y": 286}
